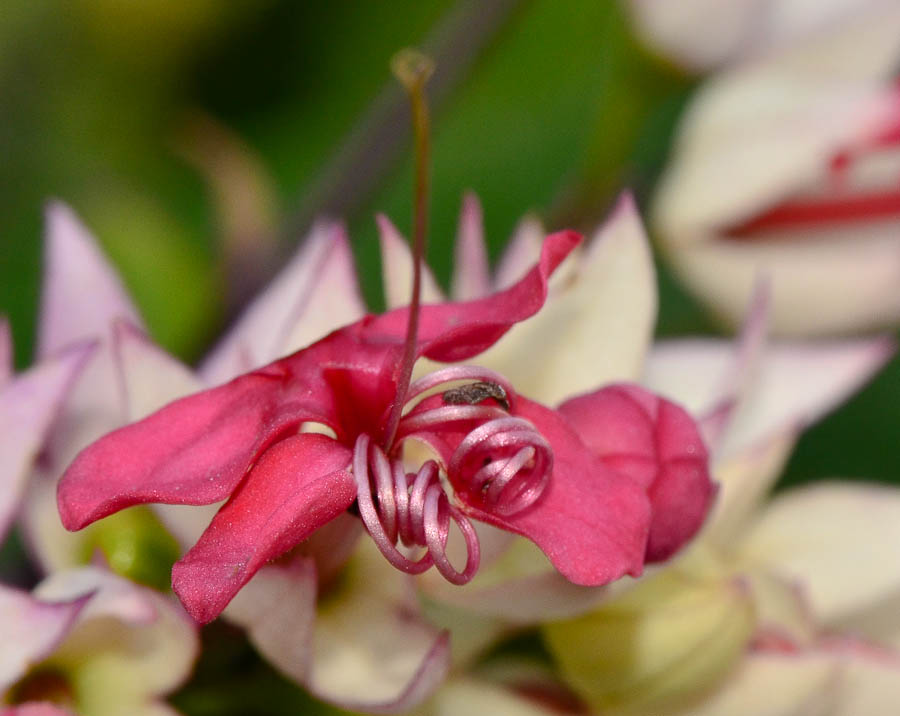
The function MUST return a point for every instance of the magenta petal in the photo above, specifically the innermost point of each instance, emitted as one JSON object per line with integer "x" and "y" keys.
{"x": 591, "y": 521}
{"x": 297, "y": 486}
{"x": 191, "y": 452}
{"x": 196, "y": 450}
{"x": 656, "y": 443}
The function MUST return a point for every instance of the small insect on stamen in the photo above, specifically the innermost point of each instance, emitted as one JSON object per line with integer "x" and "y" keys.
{"x": 474, "y": 393}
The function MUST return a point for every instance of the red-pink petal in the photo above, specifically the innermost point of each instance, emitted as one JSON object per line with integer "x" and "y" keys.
{"x": 656, "y": 443}
{"x": 194, "y": 451}
{"x": 450, "y": 332}
{"x": 591, "y": 521}
{"x": 197, "y": 449}
{"x": 297, "y": 486}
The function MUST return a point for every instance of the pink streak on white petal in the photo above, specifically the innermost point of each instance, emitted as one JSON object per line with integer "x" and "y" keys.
{"x": 870, "y": 678}
{"x": 28, "y": 406}
{"x": 471, "y": 276}
{"x": 797, "y": 384}
{"x": 267, "y": 315}
{"x": 35, "y": 709}
{"x": 111, "y": 596}
{"x": 396, "y": 267}
{"x": 690, "y": 372}
{"x": 333, "y": 300}
{"x": 793, "y": 385}
{"x": 155, "y": 642}
{"x": 709, "y": 376}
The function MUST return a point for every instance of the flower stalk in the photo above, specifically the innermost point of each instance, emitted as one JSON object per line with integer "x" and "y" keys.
{"x": 412, "y": 69}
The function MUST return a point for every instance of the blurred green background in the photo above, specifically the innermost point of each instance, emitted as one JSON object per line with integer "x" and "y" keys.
{"x": 199, "y": 139}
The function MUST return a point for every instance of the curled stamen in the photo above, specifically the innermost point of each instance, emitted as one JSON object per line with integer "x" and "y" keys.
{"x": 505, "y": 464}
{"x": 417, "y": 515}
{"x": 446, "y": 415}
{"x": 453, "y": 373}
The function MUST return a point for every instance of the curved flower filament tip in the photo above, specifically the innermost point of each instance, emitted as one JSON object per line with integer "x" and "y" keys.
{"x": 418, "y": 514}
{"x": 501, "y": 466}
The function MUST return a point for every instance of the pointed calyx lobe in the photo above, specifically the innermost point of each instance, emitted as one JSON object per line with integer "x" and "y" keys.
{"x": 241, "y": 441}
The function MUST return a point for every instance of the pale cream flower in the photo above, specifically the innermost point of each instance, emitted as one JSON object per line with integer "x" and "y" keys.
{"x": 787, "y": 166}
{"x": 93, "y": 643}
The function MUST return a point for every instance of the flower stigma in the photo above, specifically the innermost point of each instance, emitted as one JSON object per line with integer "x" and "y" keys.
{"x": 501, "y": 465}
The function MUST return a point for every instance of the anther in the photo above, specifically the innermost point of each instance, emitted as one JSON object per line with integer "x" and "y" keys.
{"x": 475, "y": 393}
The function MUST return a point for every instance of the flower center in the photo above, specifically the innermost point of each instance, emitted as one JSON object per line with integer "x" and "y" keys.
{"x": 501, "y": 465}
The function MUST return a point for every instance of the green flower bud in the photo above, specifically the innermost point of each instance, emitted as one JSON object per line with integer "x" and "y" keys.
{"x": 665, "y": 640}
{"x": 136, "y": 545}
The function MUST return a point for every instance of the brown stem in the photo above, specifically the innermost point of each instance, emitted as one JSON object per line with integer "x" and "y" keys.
{"x": 413, "y": 69}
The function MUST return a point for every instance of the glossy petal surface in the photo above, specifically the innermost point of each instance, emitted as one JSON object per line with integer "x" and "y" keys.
{"x": 656, "y": 443}
{"x": 297, "y": 486}
{"x": 196, "y": 450}
{"x": 591, "y": 521}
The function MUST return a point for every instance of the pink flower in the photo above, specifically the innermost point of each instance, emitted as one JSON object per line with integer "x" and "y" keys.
{"x": 29, "y": 403}
{"x": 552, "y": 476}
{"x": 93, "y": 642}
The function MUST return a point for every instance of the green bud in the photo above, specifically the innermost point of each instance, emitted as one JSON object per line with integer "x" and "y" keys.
{"x": 662, "y": 642}
{"x": 136, "y": 545}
